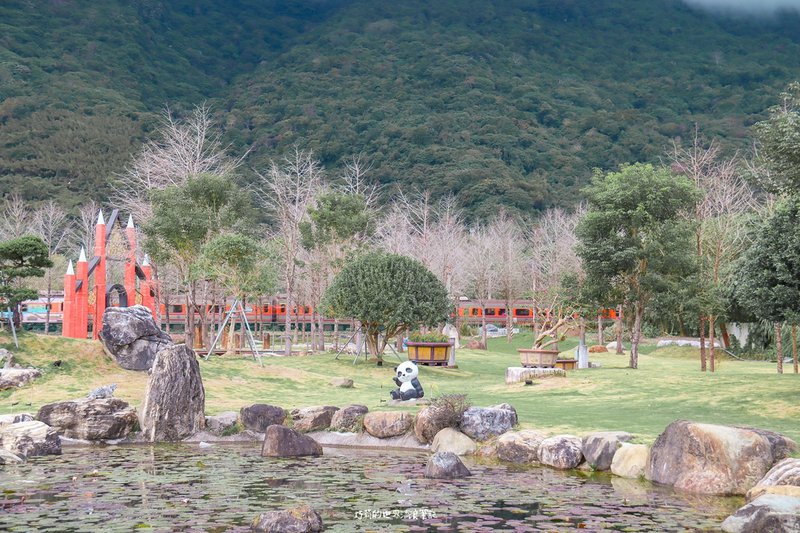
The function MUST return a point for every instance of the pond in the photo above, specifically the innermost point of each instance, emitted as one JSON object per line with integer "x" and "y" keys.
{"x": 222, "y": 488}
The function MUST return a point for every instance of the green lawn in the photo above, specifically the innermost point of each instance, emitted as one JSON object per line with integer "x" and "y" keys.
{"x": 667, "y": 386}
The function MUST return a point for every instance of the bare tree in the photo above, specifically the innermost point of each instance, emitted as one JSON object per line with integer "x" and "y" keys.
{"x": 511, "y": 255}
{"x": 51, "y": 223}
{"x": 481, "y": 270}
{"x": 86, "y": 223}
{"x": 720, "y": 235}
{"x": 286, "y": 191}
{"x": 183, "y": 149}
{"x": 16, "y": 218}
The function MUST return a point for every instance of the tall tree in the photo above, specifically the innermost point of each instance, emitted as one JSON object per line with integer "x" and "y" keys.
{"x": 286, "y": 191}
{"x": 185, "y": 218}
{"x": 777, "y": 154}
{"x": 53, "y": 226}
{"x": 635, "y": 236}
{"x": 768, "y": 281}
{"x": 510, "y": 254}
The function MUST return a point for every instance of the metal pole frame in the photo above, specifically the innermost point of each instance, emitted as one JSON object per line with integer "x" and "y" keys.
{"x": 237, "y": 305}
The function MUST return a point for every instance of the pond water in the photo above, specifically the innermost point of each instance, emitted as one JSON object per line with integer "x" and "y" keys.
{"x": 222, "y": 488}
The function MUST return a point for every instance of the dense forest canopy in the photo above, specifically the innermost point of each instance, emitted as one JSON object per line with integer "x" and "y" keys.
{"x": 504, "y": 102}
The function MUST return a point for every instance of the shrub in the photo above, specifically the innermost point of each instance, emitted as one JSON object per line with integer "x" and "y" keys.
{"x": 416, "y": 336}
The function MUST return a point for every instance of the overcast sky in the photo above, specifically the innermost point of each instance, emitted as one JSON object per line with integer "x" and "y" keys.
{"x": 747, "y": 6}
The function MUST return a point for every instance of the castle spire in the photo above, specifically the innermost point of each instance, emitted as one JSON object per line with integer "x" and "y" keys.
{"x": 70, "y": 270}
{"x": 82, "y": 258}
{"x": 100, "y": 218}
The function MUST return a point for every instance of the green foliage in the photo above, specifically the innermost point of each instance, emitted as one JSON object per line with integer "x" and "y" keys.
{"x": 241, "y": 264}
{"x": 20, "y": 258}
{"x": 779, "y": 136}
{"x": 768, "y": 284}
{"x": 634, "y": 241}
{"x": 417, "y": 336}
{"x": 502, "y": 103}
{"x": 185, "y": 218}
{"x": 387, "y": 293}
{"x": 336, "y": 218}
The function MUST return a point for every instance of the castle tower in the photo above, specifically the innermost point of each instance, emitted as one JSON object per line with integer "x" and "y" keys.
{"x": 99, "y": 275}
{"x": 68, "y": 317}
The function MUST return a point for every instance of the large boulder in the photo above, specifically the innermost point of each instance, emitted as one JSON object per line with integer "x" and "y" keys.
{"x": 428, "y": 423}
{"x": 349, "y": 418}
{"x": 599, "y": 448}
{"x": 259, "y": 416}
{"x": 445, "y": 465}
{"x": 302, "y": 519}
{"x": 384, "y": 424}
{"x": 174, "y": 401}
{"x": 280, "y": 441}
{"x": 313, "y": 418}
{"x": 562, "y": 451}
{"x": 767, "y": 513}
{"x": 520, "y": 446}
{"x": 480, "y": 423}
{"x": 221, "y": 423}
{"x": 131, "y": 337}
{"x": 11, "y": 378}
{"x": 6, "y": 457}
{"x": 452, "y": 440}
{"x": 710, "y": 459}
{"x": 630, "y": 461}
{"x": 784, "y": 474}
{"x": 26, "y": 439}
{"x": 90, "y": 419}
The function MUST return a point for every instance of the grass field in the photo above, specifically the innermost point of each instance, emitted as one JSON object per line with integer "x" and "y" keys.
{"x": 667, "y": 386}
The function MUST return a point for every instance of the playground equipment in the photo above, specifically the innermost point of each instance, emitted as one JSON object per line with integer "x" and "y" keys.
{"x": 77, "y": 307}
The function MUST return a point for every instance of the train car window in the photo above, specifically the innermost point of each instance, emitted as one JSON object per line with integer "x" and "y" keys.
{"x": 177, "y": 309}
{"x": 265, "y": 309}
{"x": 522, "y": 312}
{"x": 491, "y": 311}
{"x": 502, "y": 311}
{"x": 282, "y": 309}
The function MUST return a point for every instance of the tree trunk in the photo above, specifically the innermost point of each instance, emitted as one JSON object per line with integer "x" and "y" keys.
{"x": 287, "y": 323}
{"x": 47, "y": 305}
{"x": 484, "y": 333}
{"x": 509, "y": 324}
{"x": 372, "y": 346}
{"x": 779, "y": 346}
{"x": 723, "y": 332}
{"x": 189, "y": 320}
{"x": 618, "y": 327}
{"x": 336, "y": 334}
{"x": 321, "y": 329}
{"x": 600, "y": 339}
{"x": 703, "y": 343}
{"x": 712, "y": 364}
{"x": 636, "y": 335}
{"x": 794, "y": 347}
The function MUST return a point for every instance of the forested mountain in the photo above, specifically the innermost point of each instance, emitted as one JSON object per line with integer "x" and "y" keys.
{"x": 504, "y": 102}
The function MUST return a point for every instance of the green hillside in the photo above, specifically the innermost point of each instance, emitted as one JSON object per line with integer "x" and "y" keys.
{"x": 506, "y": 102}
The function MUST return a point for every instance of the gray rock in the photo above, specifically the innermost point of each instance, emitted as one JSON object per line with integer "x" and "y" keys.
{"x": 782, "y": 446}
{"x": 11, "y": 378}
{"x": 6, "y": 358}
{"x": 259, "y": 416}
{"x": 313, "y": 418}
{"x": 507, "y": 407}
{"x": 480, "y": 423}
{"x": 349, "y": 418}
{"x": 709, "y": 459}
{"x": 428, "y": 423}
{"x": 26, "y": 439}
{"x": 599, "y": 448}
{"x": 14, "y": 419}
{"x": 131, "y": 337}
{"x": 365, "y": 440}
{"x": 297, "y": 520}
{"x": 767, "y": 513}
{"x": 562, "y": 452}
{"x": 6, "y": 457}
{"x": 343, "y": 383}
{"x": 87, "y": 419}
{"x": 630, "y": 461}
{"x": 280, "y": 441}
{"x": 445, "y": 465}
{"x": 222, "y": 422}
{"x": 786, "y": 472}
{"x": 106, "y": 391}
{"x": 174, "y": 401}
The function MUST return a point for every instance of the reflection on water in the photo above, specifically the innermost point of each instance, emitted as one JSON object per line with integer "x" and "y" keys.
{"x": 186, "y": 488}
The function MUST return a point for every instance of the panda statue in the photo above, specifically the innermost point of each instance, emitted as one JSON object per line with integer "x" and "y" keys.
{"x": 406, "y": 379}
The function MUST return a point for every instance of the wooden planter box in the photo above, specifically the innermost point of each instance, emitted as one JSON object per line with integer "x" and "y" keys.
{"x": 567, "y": 364}
{"x": 429, "y": 353}
{"x": 530, "y": 357}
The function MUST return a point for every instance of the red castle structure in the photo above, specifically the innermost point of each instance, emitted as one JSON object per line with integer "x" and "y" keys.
{"x": 76, "y": 282}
